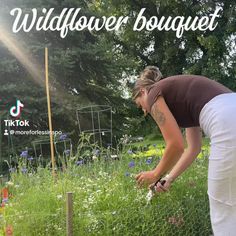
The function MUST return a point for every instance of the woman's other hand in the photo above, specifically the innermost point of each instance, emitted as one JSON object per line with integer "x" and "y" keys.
{"x": 146, "y": 178}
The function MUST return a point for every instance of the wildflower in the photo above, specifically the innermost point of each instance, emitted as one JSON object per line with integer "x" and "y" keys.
{"x": 24, "y": 170}
{"x": 114, "y": 156}
{"x": 30, "y": 158}
{"x": 59, "y": 196}
{"x": 96, "y": 152}
{"x": 151, "y": 152}
{"x": 24, "y": 154}
{"x": 63, "y": 137}
{"x": 140, "y": 139}
{"x": 149, "y": 196}
{"x": 5, "y": 193}
{"x": 131, "y": 164}
{"x": 148, "y": 161}
{"x": 5, "y": 200}
{"x": 12, "y": 170}
{"x": 81, "y": 162}
{"x": 67, "y": 152}
{"x": 127, "y": 174}
{"x": 130, "y": 152}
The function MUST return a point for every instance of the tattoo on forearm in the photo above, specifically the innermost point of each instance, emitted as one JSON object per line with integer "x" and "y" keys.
{"x": 158, "y": 116}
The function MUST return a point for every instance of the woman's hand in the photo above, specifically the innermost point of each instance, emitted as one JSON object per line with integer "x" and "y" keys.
{"x": 162, "y": 186}
{"x": 146, "y": 178}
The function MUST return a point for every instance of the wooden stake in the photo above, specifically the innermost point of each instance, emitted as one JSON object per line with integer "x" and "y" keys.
{"x": 69, "y": 214}
{"x": 49, "y": 113}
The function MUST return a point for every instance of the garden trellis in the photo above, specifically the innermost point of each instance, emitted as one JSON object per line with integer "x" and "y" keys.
{"x": 97, "y": 121}
{"x": 61, "y": 145}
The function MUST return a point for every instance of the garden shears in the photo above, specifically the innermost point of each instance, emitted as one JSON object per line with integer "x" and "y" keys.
{"x": 152, "y": 189}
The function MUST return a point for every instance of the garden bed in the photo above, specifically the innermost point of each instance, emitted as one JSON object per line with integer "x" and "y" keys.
{"x": 107, "y": 201}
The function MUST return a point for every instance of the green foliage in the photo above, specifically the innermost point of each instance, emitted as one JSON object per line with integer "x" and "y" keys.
{"x": 206, "y": 53}
{"x": 107, "y": 202}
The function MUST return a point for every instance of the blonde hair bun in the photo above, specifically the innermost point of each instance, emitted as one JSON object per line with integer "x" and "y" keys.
{"x": 151, "y": 73}
{"x": 149, "y": 76}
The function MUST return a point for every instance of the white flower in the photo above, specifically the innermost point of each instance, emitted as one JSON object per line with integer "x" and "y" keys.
{"x": 9, "y": 183}
{"x": 59, "y": 196}
{"x": 149, "y": 196}
{"x": 114, "y": 156}
{"x": 132, "y": 175}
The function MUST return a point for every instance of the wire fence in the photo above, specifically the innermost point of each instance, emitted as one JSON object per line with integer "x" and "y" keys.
{"x": 167, "y": 220}
{"x": 183, "y": 211}
{"x": 106, "y": 202}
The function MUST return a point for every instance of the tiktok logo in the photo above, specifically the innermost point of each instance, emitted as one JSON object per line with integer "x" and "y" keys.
{"x": 16, "y": 110}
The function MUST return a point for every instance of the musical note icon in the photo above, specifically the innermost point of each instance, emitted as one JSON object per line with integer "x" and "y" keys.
{"x": 16, "y": 110}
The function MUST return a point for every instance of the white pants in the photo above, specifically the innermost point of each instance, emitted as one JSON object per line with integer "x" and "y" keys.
{"x": 218, "y": 121}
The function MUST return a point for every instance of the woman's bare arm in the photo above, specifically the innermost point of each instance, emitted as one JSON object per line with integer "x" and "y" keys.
{"x": 171, "y": 134}
{"x": 193, "y": 137}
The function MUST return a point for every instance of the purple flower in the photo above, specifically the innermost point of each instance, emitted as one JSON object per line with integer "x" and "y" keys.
{"x": 81, "y": 162}
{"x": 24, "y": 170}
{"x": 96, "y": 152}
{"x": 24, "y": 154}
{"x": 63, "y": 137}
{"x": 131, "y": 164}
{"x": 12, "y": 170}
{"x": 127, "y": 174}
{"x": 67, "y": 152}
{"x": 148, "y": 161}
{"x": 130, "y": 151}
{"x": 5, "y": 200}
{"x": 30, "y": 158}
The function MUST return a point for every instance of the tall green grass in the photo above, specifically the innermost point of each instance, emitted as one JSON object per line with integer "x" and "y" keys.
{"x": 107, "y": 201}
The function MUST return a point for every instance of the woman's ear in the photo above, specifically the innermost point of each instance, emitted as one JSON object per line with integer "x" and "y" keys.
{"x": 142, "y": 91}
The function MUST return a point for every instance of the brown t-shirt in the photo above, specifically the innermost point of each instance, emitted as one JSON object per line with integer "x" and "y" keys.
{"x": 185, "y": 95}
